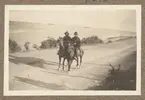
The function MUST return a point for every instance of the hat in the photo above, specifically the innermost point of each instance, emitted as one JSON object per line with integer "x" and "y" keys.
{"x": 76, "y": 33}
{"x": 66, "y": 33}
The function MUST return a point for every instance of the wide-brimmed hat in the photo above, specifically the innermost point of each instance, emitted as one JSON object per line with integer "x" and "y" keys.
{"x": 75, "y": 33}
{"x": 66, "y": 33}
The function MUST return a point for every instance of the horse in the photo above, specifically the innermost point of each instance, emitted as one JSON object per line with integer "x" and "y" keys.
{"x": 79, "y": 55}
{"x": 69, "y": 55}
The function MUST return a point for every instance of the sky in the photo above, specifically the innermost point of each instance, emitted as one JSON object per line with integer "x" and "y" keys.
{"x": 115, "y": 19}
{"x": 85, "y": 22}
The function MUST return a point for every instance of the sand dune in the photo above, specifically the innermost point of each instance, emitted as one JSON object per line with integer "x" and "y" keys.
{"x": 26, "y": 31}
{"x": 37, "y": 70}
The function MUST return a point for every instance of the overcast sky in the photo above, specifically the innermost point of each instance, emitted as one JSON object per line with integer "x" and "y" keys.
{"x": 115, "y": 19}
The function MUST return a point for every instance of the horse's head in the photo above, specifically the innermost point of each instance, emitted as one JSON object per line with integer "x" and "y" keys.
{"x": 60, "y": 41}
{"x": 71, "y": 49}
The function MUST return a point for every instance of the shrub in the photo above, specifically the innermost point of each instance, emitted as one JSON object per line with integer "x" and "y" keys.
{"x": 35, "y": 46}
{"x": 91, "y": 40}
{"x": 13, "y": 46}
{"x": 26, "y": 45}
{"x": 49, "y": 43}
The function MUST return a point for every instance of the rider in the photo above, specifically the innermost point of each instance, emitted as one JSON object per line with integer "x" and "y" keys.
{"x": 76, "y": 42}
{"x": 66, "y": 41}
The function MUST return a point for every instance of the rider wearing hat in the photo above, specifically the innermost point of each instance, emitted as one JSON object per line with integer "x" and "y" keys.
{"x": 76, "y": 42}
{"x": 66, "y": 40}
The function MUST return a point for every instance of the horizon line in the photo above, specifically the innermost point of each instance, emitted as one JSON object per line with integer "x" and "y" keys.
{"x": 72, "y": 25}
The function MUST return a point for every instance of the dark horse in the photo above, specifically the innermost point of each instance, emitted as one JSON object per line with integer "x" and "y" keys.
{"x": 69, "y": 55}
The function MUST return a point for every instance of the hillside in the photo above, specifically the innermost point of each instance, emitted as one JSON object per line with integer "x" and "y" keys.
{"x": 26, "y": 31}
{"x": 118, "y": 38}
{"x": 38, "y": 70}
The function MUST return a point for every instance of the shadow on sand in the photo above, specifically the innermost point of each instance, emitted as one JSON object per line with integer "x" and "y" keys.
{"x": 37, "y": 62}
{"x": 75, "y": 76}
{"x": 40, "y": 83}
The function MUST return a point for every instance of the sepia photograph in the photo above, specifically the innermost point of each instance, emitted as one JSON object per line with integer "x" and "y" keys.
{"x": 72, "y": 50}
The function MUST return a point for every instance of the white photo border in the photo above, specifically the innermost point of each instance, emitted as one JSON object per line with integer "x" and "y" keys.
{"x": 6, "y": 90}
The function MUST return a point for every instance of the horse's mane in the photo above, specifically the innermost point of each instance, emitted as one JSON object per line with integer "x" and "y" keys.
{"x": 60, "y": 41}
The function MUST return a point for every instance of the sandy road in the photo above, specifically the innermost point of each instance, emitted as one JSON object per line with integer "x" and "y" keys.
{"x": 37, "y": 70}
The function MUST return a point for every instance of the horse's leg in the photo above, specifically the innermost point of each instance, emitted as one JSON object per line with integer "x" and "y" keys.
{"x": 63, "y": 63}
{"x": 71, "y": 61}
{"x": 80, "y": 60}
{"x": 81, "y": 56}
{"x": 69, "y": 64}
{"x": 77, "y": 62}
{"x": 59, "y": 62}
